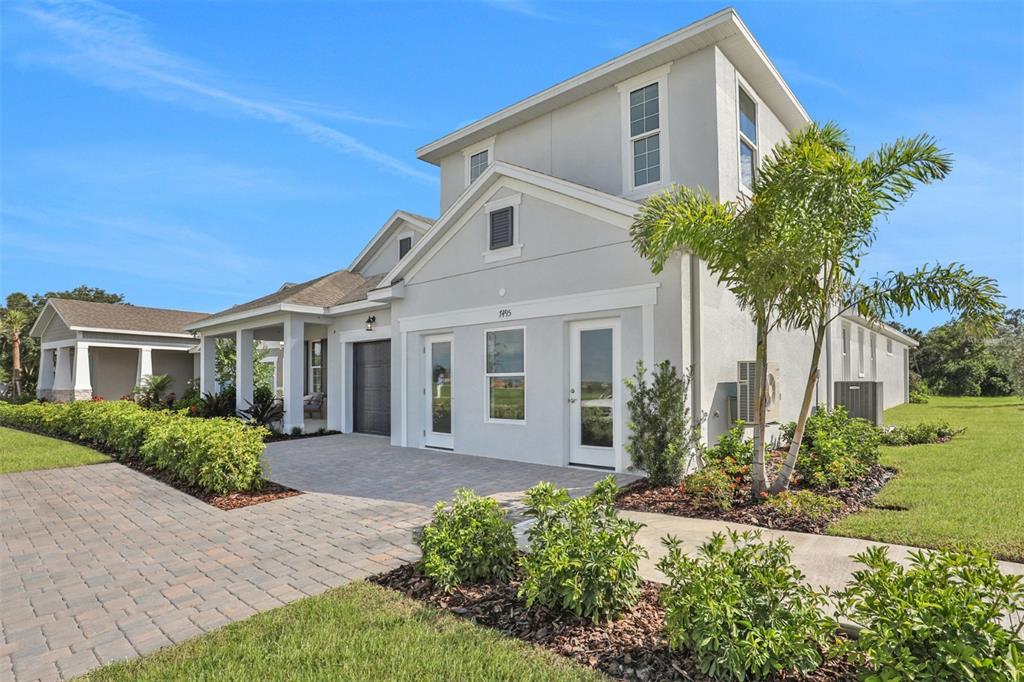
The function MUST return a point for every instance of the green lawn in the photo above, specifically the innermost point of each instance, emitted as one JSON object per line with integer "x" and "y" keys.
{"x": 21, "y": 451}
{"x": 357, "y": 632}
{"x": 968, "y": 491}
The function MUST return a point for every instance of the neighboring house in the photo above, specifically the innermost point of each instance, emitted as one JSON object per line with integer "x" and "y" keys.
{"x": 104, "y": 350}
{"x": 506, "y": 327}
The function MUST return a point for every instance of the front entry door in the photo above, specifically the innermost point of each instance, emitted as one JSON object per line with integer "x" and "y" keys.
{"x": 594, "y": 385}
{"x": 438, "y": 392}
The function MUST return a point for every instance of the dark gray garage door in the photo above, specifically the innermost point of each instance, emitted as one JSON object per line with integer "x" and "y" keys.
{"x": 371, "y": 387}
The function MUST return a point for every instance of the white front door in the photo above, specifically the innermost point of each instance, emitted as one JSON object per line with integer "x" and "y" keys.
{"x": 437, "y": 389}
{"x": 594, "y": 387}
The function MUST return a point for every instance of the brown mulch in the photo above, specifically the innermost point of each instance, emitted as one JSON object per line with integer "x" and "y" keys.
{"x": 675, "y": 500}
{"x": 630, "y": 648}
{"x": 267, "y": 492}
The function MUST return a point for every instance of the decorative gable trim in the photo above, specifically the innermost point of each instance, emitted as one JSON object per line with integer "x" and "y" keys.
{"x": 382, "y": 235}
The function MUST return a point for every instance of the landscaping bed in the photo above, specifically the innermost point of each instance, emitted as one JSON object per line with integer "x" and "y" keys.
{"x": 632, "y": 647}
{"x": 678, "y": 501}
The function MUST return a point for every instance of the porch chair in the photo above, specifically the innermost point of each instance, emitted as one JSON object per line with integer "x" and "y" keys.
{"x": 314, "y": 402}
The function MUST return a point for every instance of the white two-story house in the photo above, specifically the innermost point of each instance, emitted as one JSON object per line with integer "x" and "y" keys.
{"x": 506, "y": 326}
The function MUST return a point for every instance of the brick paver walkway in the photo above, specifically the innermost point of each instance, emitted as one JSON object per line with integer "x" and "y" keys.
{"x": 99, "y": 563}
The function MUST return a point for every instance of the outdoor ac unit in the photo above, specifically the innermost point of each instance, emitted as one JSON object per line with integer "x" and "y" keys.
{"x": 745, "y": 377}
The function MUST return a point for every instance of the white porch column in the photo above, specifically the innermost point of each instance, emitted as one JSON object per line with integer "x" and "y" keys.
{"x": 334, "y": 387}
{"x": 207, "y": 363}
{"x": 44, "y": 384}
{"x": 243, "y": 369}
{"x": 62, "y": 380}
{"x": 83, "y": 379}
{"x": 293, "y": 368}
{"x": 145, "y": 367}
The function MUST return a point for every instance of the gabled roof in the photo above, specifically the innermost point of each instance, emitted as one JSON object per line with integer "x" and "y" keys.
{"x": 116, "y": 317}
{"x": 615, "y": 208}
{"x": 881, "y": 328}
{"x": 724, "y": 29}
{"x": 417, "y": 222}
{"x": 318, "y": 294}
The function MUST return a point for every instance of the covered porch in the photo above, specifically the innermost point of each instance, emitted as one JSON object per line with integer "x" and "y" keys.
{"x": 295, "y": 348}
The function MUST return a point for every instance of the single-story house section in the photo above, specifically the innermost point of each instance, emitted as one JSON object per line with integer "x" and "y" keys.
{"x": 104, "y": 350}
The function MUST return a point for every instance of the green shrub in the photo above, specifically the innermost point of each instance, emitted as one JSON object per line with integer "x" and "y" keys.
{"x": 918, "y": 397}
{"x": 804, "y": 503}
{"x": 732, "y": 454}
{"x": 191, "y": 402}
{"x": 663, "y": 441}
{"x": 744, "y": 612}
{"x": 836, "y": 449}
{"x": 938, "y": 619}
{"x": 584, "y": 557}
{"x": 215, "y": 455}
{"x": 711, "y": 485}
{"x": 468, "y": 541}
{"x": 918, "y": 434}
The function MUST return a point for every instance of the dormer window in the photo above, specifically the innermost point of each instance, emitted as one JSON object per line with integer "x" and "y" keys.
{"x": 478, "y": 157}
{"x": 404, "y": 244}
{"x": 477, "y": 164}
{"x": 748, "y": 139}
{"x": 645, "y": 132}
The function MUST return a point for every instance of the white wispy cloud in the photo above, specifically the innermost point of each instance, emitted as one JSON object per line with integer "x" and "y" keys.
{"x": 794, "y": 73}
{"x": 111, "y": 47}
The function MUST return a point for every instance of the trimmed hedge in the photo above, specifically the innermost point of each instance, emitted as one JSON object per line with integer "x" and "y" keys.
{"x": 216, "y": 455}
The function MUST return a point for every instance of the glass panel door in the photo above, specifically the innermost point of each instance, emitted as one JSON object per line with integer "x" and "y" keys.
{"x": 593, "y": 387}
{"x": 438, "y": 390}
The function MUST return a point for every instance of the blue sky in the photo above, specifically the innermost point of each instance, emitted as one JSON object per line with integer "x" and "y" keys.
{"x": 195, "y": 155}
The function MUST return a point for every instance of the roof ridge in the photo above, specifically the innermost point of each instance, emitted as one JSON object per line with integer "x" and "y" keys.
{"x": 126, "y": 305}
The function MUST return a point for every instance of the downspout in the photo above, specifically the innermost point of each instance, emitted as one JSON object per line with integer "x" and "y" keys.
{"x": 697, "y": 408}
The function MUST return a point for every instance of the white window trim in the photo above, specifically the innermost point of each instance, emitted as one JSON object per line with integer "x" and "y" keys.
{"x": 515, "y": 250}
{"x": 659, "y": 76}
{"x": 888, "y": 347}
{"x": 487, "y": 376}
{"x": 860, "y": 353}
{"x": 311, "y": 366}
{"x": 745, "y": 87}
{"x": 468, "y": 153}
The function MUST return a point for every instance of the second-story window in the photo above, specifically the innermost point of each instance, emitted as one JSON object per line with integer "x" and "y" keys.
{"x": 478, "y": 164}
{"x": 748, "y": 139}
{"x": 645, "y": 135}
{"x": 404, "y": 244}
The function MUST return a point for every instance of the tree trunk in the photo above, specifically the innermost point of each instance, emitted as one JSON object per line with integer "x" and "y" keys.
{"x": 785, "y": 476}
{"x": 758, "y": 476}
{"x": 16, "y": 369}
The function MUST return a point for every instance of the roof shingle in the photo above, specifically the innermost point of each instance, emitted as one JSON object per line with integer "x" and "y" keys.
{"x": 123, "y": 317}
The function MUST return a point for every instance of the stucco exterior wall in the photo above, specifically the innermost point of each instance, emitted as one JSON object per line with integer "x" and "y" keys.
{"x": 178, "y": 365}
{"x": 386, "y": 256}
{"x": 113, "y": 371}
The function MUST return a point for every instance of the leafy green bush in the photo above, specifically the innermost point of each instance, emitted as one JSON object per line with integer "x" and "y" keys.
{"x": 191, "y": 402}
{"x": 744, "y": 612}
{"x": 918, "y": 434}
{"x": 938, "y": 619}
{"x": 216, "y": 455}
{"x": 836, "y": 449}
{"x": 711, "y": 485}
{"x": 733, "y": 454}
{"x": 918, "y": 397}
{"x": 584, "y": 557}
{"x": 663, "y": 441}
{"x": 468, "y": 541}
{"x": 804, "y": 503}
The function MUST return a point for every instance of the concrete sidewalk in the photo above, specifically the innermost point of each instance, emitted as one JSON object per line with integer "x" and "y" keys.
{"x": 824, "y": 559}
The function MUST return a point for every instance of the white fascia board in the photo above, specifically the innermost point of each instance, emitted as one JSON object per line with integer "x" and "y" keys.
{"x": 133, "y": 332}
{"x": 546, "y": 187}
{"x": 396, "y": 290}
{"x": 257, "y": 312}
{"x": 355, "y": 307}
{"x": 698, "y": 35}
{"x": 43, "y": 321}
{"x": 382, "y": 234}
{"x": 881, "y": 327}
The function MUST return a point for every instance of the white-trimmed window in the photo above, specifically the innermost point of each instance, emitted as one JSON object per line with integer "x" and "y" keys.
{"x": 501, "y": 218}
{"x": 645, "y": 131}
{"x": 478, "y": 158}
{"x": 505, "y": 371}
{"x": 888, "y": 346}
{"x": 747, "y": 138}
{"x": 316, "y": 366}
{"x": 860, "y": 353}
{"x": 404, "y": 245}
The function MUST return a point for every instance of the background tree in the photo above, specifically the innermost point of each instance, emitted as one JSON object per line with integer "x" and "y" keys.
{"x": 1008, "y": 349}
{"x": 225, "y": 365}
{"x": 957, "y": 359}
{"x": 13, "y": 324}
{"x": 32, "y": 305}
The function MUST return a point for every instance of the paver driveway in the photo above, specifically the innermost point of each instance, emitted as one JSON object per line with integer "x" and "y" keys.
{"x": 101, "y": 562}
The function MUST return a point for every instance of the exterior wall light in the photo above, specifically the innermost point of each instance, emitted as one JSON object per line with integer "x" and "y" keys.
{"x": 370, "y": 322}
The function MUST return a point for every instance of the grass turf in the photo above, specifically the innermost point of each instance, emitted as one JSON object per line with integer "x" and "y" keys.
{"x": 21, "y": 451}
{"x": 967, "y": 491}
{"x": 357, "y": 632}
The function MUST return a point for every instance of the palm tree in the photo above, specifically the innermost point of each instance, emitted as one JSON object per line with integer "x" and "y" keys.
{"x": 790, "y": 253}
{"x": 12, "y": 325}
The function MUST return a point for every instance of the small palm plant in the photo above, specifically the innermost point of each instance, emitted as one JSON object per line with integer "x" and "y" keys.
{"x": 153, "y": 390}
{"x": 12, "y": 324}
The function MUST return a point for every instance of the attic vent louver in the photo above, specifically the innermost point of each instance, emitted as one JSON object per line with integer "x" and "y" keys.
{"x": 501, "y": 228}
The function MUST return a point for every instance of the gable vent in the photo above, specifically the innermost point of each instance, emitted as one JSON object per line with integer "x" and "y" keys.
{"x": 501, "y": 228}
